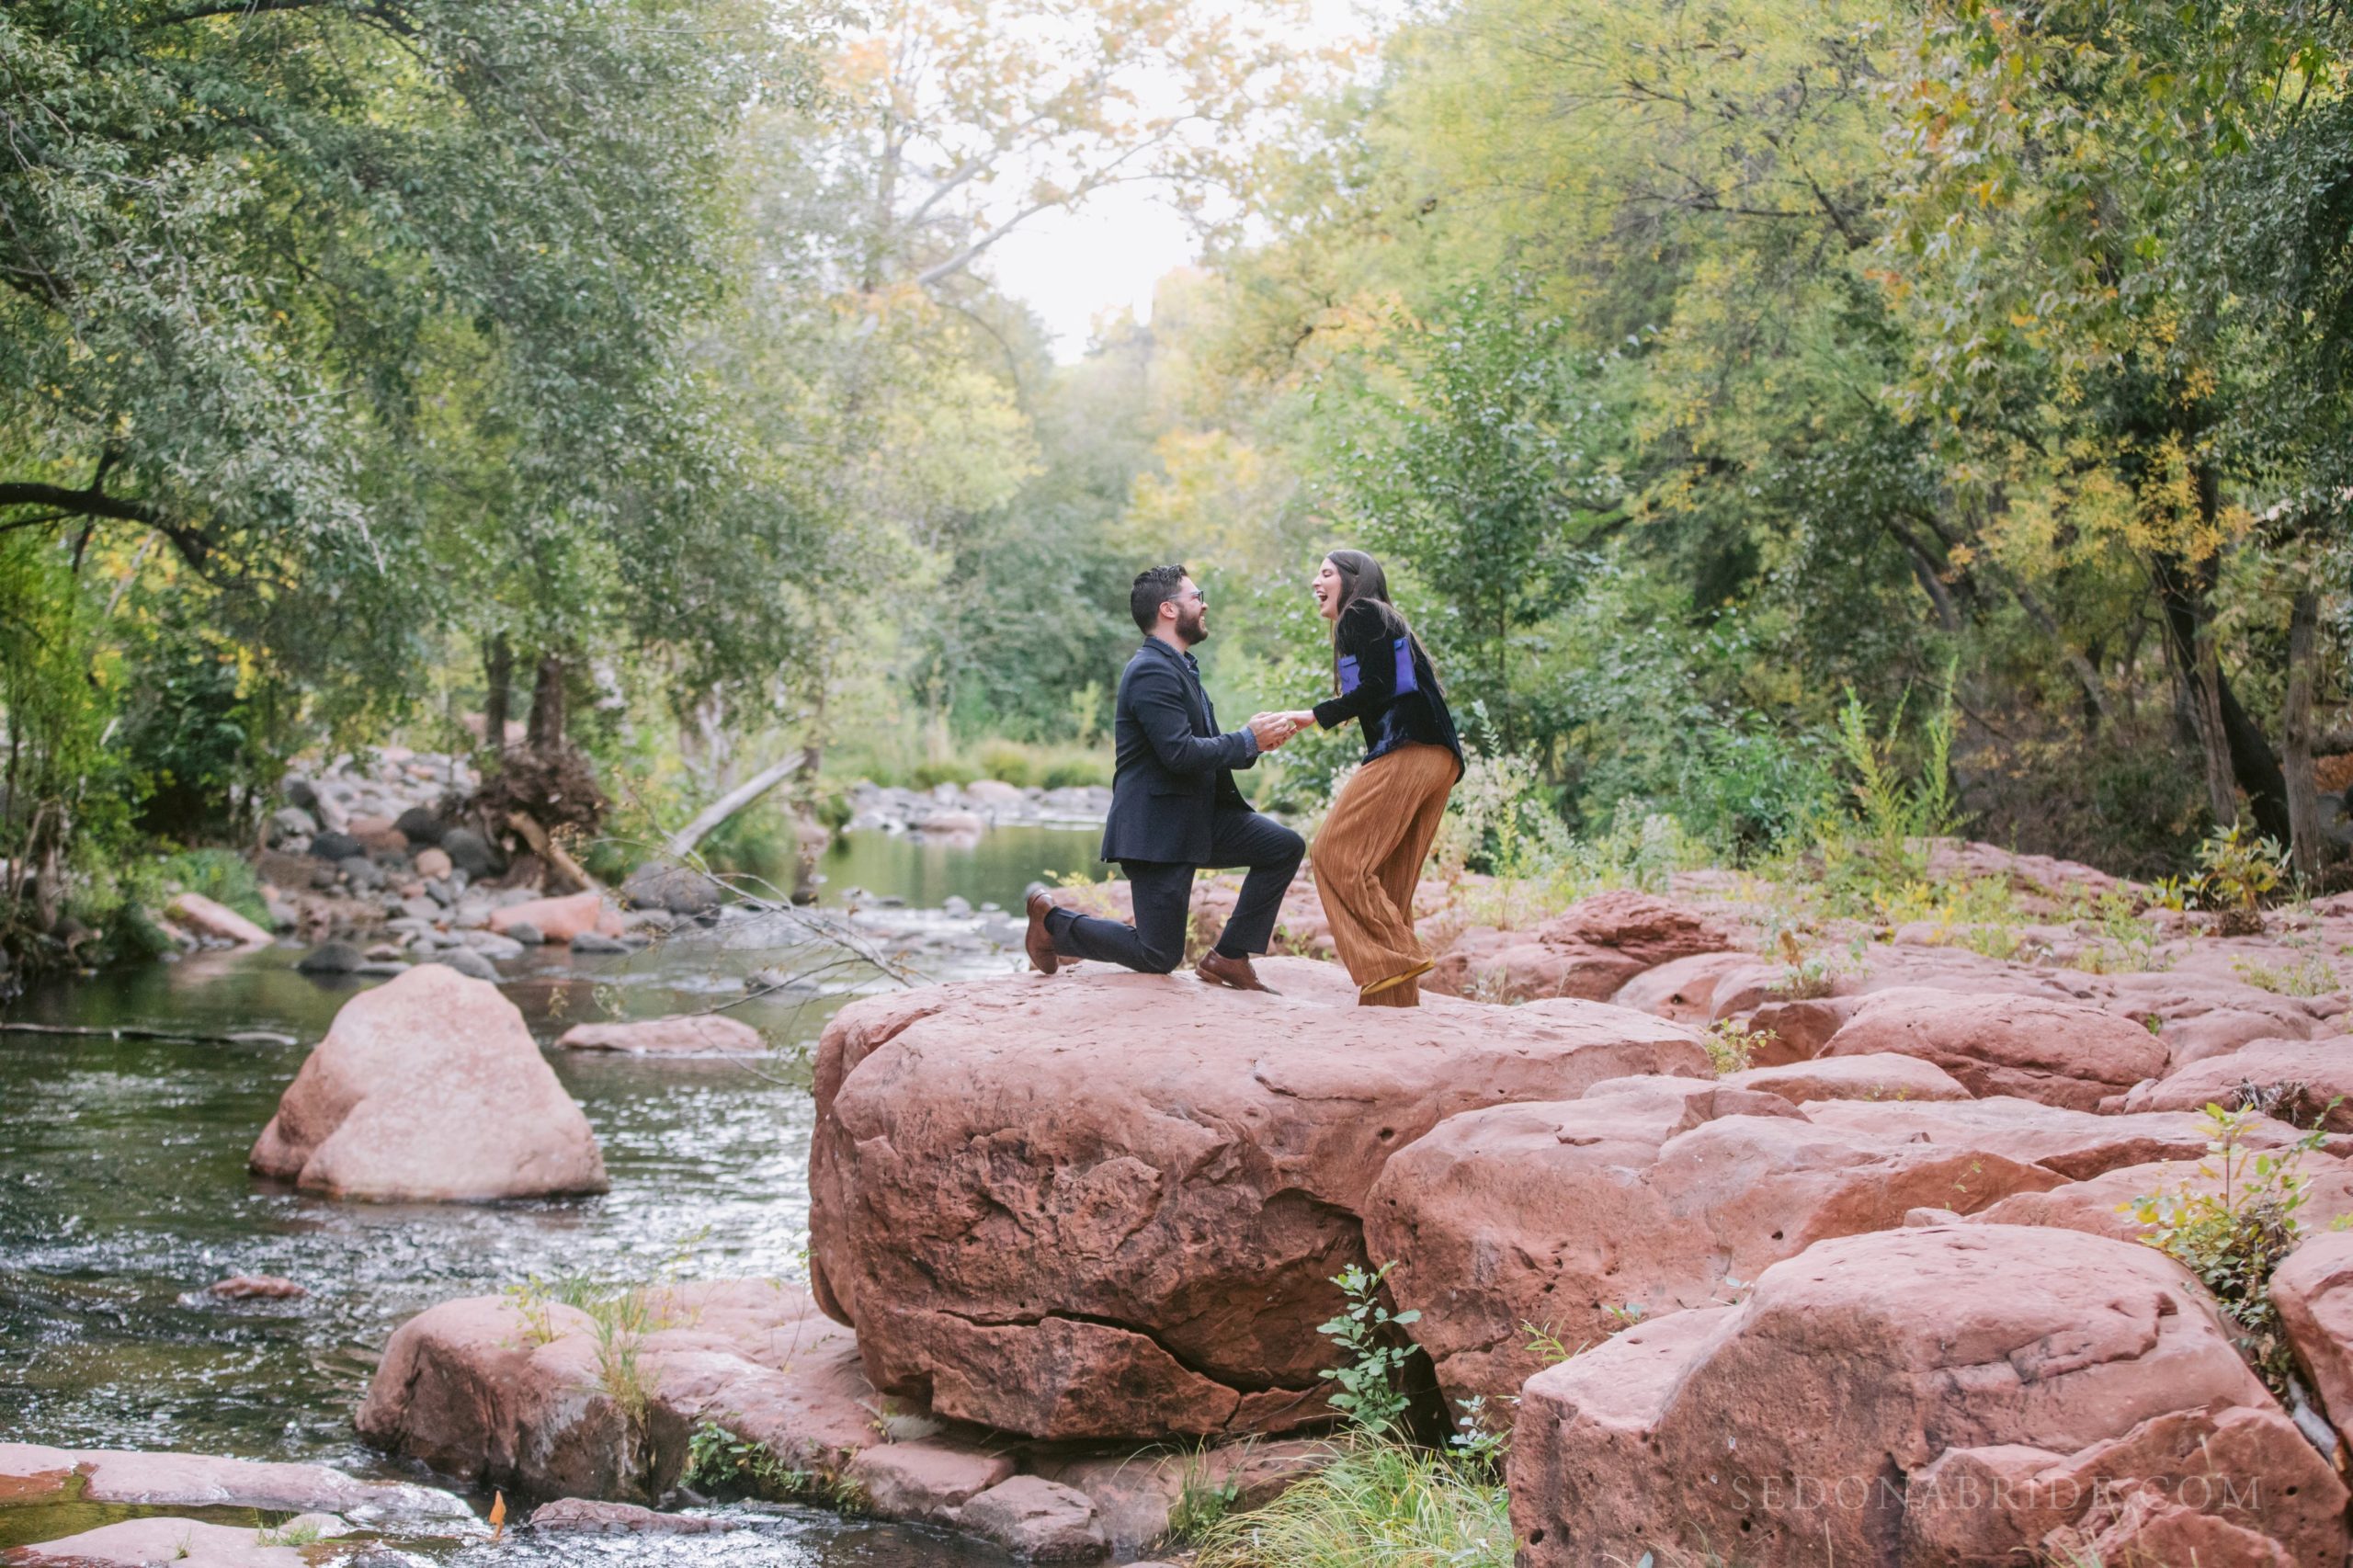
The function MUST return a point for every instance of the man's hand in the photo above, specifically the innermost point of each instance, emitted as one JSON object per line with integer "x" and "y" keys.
{"x": 1272, "y": 730}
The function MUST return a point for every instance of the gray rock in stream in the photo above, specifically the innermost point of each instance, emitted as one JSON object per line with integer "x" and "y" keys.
{"x": 466, "y": 961}
{"x": 331, "y": 958}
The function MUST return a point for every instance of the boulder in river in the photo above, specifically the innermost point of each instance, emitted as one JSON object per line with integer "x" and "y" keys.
{"x": 681, "y": 890}
{"x": 557, "y": 919}
{"x": 429, "y": 1088}
{"x": 1109, "y": 1206}
{"x": 331, "y": 958}
{"x": 470, "y": 851}
{"x": 527, "y": 1394}
{"x": 685, "y": 1034}
{"x": 207, "y": 918}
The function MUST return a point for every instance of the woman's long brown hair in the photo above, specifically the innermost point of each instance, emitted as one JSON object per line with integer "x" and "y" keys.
{"x": 1362, "y": 578}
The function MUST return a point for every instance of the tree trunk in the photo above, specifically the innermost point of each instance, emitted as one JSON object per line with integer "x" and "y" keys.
{"x": 2252, "y": 761}
{"x": 2189, "y": 649}
{"x": 544, "y": 730}
{"x": 498, "y": 679}
{"x": 2304, "y": 841}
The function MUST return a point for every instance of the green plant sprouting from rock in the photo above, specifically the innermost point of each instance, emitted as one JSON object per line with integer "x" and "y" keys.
{"x": 1370, "y": 1394}
{"x": 2233, "y": 1225}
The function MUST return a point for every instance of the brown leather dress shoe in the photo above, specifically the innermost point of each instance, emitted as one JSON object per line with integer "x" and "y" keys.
{"x": 1216, "y": 967}
{"x": 1037, "y": 942}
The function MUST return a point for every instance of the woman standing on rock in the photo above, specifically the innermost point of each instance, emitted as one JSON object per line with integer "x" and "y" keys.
{"x": 1369, "y": 854}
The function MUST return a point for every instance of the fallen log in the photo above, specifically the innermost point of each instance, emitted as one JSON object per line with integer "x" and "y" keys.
{"x": 706, "y": 822}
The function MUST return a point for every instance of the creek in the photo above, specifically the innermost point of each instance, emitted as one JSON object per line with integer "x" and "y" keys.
{"x": 124, "y": 1192}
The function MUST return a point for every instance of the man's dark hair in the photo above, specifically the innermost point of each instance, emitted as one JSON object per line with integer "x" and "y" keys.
{"x": 1153, "y": 588}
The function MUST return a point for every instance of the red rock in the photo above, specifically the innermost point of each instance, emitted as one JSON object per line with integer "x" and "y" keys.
{"x": 686, "y": 1034}
{"x": 432, "y": 862}
{"x": 2314, "y": 1292}
{"x": 1797, "y": 1030}
{"x": 582, "y": 1516}
{"x": 1040, "y": 1520}
{"x": 218, "y": 921}
{"x": 560, "y": 919}
{"x": 256, "y": 1287}
{"x": 2062, "y": 1053}
{"x": 2100, "y": 1205}
{"x": 1857, "y": 1406}
{"x": 2308, "y": 1082}
{"x": 1886, "y": 1076}
{"x": 1044, "y": 1218}
{"x": 1682, "y": 989}
{"x": 1137, "y": 1495}
{"x": 429, "y": 1088}
{"x": 183, "y": 1543}
{"x": 1677, "y": 1201}
{"x": 502, "y": 1393}
{"x": 925, "y": 1480}
{"x": 2076, "y": 1144}
{"x": 1590, "y": 949}
{"x": 29, "y": 1471}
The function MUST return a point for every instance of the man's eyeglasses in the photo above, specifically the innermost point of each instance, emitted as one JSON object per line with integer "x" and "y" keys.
{"x": 1198, "y": 597}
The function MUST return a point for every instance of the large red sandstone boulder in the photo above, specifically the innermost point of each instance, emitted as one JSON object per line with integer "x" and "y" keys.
{"x": 2314, "y": 1292}
{"x": 527, "y": 1394}
{"x": 1590, "y": 949}
{"x": 429, "y": 1088}
{"x": 1951, "y": 1395}
{"x": 1107, "y": 1205}
{"x": 1650, "y": 1198}
{"x": 2062, "y": 1053}
{"x": 2308, "y": 1082}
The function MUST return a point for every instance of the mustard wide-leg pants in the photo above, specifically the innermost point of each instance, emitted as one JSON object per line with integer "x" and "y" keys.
{"x": 1368, "y": 858}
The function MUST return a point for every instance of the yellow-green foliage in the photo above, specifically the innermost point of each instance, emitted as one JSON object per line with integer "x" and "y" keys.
{"x": 1377, "y": 1504}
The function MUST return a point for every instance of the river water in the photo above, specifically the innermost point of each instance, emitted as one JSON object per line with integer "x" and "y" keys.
{"x": 123, "y": 1189}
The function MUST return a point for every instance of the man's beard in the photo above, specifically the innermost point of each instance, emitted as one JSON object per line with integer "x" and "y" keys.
{"x": 1192, "y": 626}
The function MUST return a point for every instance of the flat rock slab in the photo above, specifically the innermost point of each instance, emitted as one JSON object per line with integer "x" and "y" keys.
{"x": 923, "y": 1479}
{"x": 685, "y": 1034}
{"x": 429, "y": 1089}
{"x": 1038, "y": 1520}
{"x": 183, "y": 1544}
{"x": 504, "y": 1392}
{"x": 1640, "y": 1199}
{"x": 2077, "y": 1144}
{"x": 29, "y": 1471}
{"x": 1109, "y": 1206}
{"x": 1884, "y": 1075}
{"x": 559, "y": 920}
{"x": 1954, "y": 1394}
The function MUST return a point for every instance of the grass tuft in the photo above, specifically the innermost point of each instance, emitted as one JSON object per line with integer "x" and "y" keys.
{"x": 1377, "y": 1504}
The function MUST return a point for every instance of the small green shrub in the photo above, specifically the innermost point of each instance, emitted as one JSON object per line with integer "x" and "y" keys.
{"x": 2234, "y": 1239}
{"x": 1371, "y": 1395}
{"x": 2310, "y": 975}
{"x": 2239, "y": 872}
{"x": 1077, "y": 773}
{"x": 1007, "y": 762}
{"x": 720, "y": 1463}
{"x": 946, "y": 770}
{"x": 221, "y": 875}
{"x": 1732, "y": 1048}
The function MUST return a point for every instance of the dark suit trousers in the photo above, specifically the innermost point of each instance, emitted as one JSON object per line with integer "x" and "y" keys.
{"x": 1163, "y": 895}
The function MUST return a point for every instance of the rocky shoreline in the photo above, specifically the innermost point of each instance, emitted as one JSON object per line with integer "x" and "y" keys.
{"x": 1739, "y": 1243}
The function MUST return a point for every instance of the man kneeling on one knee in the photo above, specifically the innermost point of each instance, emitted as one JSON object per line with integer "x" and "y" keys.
{"x": 1176, "y": 809}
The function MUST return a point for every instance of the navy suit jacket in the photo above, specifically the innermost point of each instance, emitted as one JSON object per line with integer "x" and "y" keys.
{"x": 1175, "y": 771}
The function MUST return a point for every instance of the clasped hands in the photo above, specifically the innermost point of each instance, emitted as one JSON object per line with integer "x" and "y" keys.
{"x": 1274, "y": 728}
